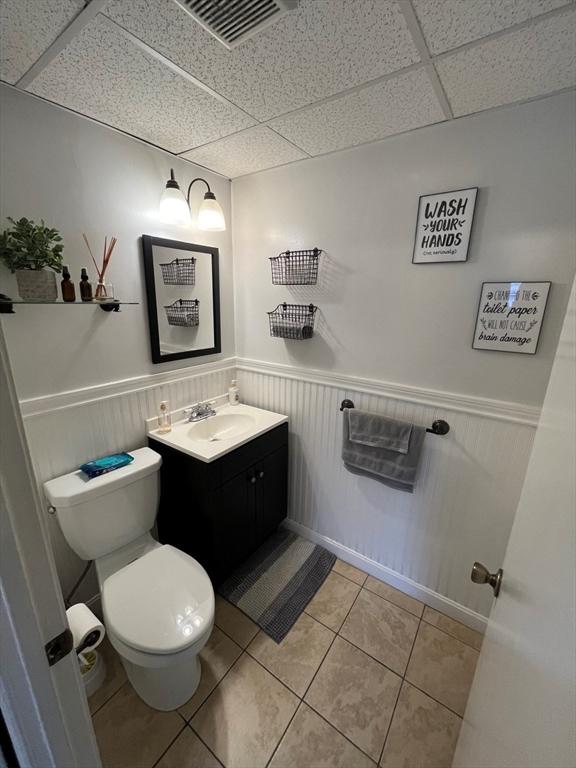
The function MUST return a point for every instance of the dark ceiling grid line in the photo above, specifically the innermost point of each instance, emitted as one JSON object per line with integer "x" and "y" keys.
{"x": 415, "y": 30}
{"x": 77, "y": 24}
{"x": 176, "y": 68}
{"x": 320, "y": 102}
{"x": 533, "y": 21}
{"x": 284, "y": 138}
{"x": 427, "y": 62}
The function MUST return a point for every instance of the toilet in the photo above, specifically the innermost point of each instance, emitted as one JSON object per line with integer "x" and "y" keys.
{"x": 158, "y": 602}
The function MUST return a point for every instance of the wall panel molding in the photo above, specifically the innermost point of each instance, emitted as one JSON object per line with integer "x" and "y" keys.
{"x": 462, "y": 509}
{"x": 468, "y": 487}
{"x": 518, "y": 413}
{"x": 37, "y": 406}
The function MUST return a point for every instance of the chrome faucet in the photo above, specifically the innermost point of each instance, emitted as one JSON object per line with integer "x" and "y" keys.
{"x": 200, "y": 411}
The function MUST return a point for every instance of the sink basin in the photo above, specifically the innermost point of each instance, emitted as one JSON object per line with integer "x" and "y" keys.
{"x": 211, "y": 438}
{"x": 223, "y": 426}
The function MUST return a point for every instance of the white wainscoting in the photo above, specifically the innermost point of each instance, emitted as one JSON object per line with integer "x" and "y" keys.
{"x": 423, "y": 543}
{"x": 426, "y": 542}
{"x": 69, "y": 428}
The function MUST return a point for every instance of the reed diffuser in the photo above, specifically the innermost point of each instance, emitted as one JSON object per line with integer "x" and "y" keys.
{"x": 104, "y": 291}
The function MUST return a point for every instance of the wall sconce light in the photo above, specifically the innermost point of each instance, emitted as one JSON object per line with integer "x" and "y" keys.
{"x": 175, "y": 208}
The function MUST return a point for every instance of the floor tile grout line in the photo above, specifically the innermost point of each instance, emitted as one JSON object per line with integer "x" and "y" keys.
{"x": 300, "y": 702}
{"x": 419, "y": 617}
{"x": 390, "y": 723}
{"x": 230, "y": 668}
{"x": 301, "y": 699}
{"x": 454, "y": 637}
{"x": 174, "y": 740}
{"x": 274, "y": 675}
{"x": 335, "y": 727}
{"x": 92, "y": 714}
{"x": 382, "y": 664}
{"x": 437, "y": 701}
{"x": 313, "y": 678}
{"x": 203, "y": 742}
{"x": 400, "y": 690}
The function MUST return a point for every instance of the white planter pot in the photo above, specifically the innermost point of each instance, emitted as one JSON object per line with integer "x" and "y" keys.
{"x": 37, "y": 284}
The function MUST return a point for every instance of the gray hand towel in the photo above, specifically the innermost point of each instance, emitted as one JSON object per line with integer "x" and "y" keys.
{"x": 379, "y": 432}
{"x": 392, "y": 467}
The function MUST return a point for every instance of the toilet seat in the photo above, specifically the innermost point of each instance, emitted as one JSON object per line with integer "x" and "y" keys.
{"x": 160, "y": 604}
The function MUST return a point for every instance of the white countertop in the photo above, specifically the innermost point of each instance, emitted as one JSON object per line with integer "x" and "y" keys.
{"x": 194, "y": 438}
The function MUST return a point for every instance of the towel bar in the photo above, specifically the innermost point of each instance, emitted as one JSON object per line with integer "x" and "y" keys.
{"x": 439, "y": 427}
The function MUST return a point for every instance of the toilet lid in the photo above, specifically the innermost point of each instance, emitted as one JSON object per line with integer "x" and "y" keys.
{"x": 161, "y": 603}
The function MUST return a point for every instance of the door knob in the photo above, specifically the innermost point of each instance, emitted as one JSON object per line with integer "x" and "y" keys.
{"x": 260, "y": 474}
{"x": 481, "y": 575}
{"x": 253, "y": 479}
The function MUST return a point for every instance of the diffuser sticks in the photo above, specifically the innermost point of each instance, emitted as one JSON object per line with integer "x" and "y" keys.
{"x": 102, "y": 294}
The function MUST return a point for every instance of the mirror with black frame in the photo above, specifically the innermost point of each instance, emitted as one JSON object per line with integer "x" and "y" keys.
{"x": 182, "y": 289}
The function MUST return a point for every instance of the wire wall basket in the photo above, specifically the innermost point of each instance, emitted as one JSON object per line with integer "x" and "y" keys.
{"x": 293, "y": 321}
{"x": 179, "y": 272}
{"x": 295, "y": 267}
{"x": 184, "y": 312}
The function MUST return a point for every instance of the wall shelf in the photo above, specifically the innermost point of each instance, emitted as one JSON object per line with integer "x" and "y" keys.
{"x": 107, "y": 306}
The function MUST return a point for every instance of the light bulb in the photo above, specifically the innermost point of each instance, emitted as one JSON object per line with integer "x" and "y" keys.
{"x": 210, "y": 215}
{"x": 174, "y": 208}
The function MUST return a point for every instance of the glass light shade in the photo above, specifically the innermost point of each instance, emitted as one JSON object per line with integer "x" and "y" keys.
{"x": 210, "y": 216}
{"x": 174, "y": 208}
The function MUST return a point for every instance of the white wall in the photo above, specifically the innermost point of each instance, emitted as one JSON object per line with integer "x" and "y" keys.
{"x": 396, "y": 337}
{"x": 82, "y": 177}
{"x": 381, "y": 316}
{"x": 381, "y": 321}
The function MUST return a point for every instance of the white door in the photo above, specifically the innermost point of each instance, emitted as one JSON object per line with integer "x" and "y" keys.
{"x": 44, "y": 706}
{"x": 522, "y": 707}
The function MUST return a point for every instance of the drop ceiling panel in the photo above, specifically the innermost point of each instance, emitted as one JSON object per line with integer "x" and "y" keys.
{"x": 253, "y": 150}
{"x": 104, "y": 75}
{"x": 392, "y": 106}
{"x": 315, "y": 51}
{"x": 27, "y": 28}
{"x": 450, "y": 23}
{"x": 530, "y": 62}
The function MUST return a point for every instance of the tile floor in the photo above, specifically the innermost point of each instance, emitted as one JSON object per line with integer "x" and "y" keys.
{"x": 368, "y": 676}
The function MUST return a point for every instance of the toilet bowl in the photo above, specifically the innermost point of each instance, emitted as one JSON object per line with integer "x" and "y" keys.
{"x": 158, "y": 602}
{"x": 159, "y": 613}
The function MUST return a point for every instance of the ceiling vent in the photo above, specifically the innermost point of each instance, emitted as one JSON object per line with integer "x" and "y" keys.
{"x": 234, "y": 21}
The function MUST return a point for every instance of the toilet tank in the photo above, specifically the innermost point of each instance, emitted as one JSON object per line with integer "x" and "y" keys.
{"x": 100, "y": 515}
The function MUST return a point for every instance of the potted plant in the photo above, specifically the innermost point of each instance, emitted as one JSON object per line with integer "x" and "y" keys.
{"x": 27, "y": 249}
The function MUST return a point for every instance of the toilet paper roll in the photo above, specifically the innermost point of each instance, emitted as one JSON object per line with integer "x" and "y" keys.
{"x": 87, "y": 631}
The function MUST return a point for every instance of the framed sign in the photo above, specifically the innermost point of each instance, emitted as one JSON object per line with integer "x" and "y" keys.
{"x": 443, "y": 226}
{"x": 510, "y": 316}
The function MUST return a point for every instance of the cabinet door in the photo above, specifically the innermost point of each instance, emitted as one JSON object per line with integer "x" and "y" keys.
{"x": 271, "y": 493}
{"x": 233, "y": 523}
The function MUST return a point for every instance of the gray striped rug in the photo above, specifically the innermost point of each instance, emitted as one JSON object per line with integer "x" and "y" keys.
{"x": 278, "y": 581}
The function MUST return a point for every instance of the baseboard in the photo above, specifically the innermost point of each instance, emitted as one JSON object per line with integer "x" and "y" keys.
{"x": 424, "y": 594}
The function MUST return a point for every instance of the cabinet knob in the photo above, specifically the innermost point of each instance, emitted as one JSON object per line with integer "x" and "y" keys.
{"x": 261, "y": 474}
{"x": 253, "y": 479}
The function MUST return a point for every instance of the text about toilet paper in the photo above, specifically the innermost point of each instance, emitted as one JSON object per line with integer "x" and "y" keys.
{"x": 510, "y": 316}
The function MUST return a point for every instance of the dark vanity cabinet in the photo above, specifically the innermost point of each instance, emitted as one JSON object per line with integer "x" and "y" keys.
{"x": 220, "y": 512}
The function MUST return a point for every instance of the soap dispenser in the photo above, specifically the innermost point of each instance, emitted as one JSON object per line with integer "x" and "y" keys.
{"x": 164, "y": 418}
{"x": 233, "y": 393}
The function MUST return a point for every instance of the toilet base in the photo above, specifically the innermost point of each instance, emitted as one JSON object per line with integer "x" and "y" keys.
{"x": 164, "y": 688}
